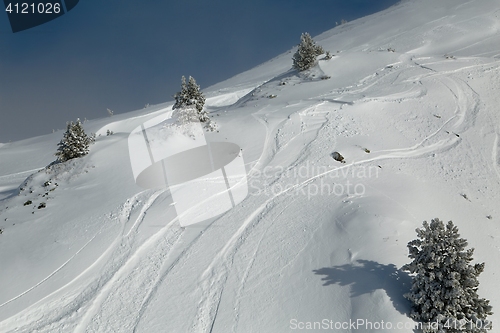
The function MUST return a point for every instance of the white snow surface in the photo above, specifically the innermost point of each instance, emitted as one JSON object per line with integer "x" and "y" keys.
{"x": 315, "y": 239}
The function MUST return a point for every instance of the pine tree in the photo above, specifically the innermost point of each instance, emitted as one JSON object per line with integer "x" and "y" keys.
{"x": 189, "y": 95}
{"x": 188, "y": 98}
{"x": 75, "y": 142}
{"x": 307, "y": 51}
{"x": 444, "y": 288}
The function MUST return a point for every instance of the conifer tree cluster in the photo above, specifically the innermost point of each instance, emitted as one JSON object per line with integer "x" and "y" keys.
{"x": 75, "y": 142}
{"x": 444, "y": 288}
{"x": 307, "y": 51}
{"x": 190, "y": 95}
{"x": 189, "y": 103}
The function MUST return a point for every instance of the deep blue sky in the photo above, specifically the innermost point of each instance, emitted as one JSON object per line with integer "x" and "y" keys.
{"x": 122, "y": 54}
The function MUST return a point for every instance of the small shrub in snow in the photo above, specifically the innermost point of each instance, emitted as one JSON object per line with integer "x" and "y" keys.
{"x": 189, "y": 100}
{"x": 444, "y": 287}
{"x": 75, "y": 142}
{"x": 342, "y": 22}
{"x": 307, "y": 51}
{"x": 27, "y": 203}
{"x": 109, "y": 132}
{"x": 320, "y": 50}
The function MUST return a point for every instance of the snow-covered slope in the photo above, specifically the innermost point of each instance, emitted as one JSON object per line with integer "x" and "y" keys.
{"x": 410, "y": 100}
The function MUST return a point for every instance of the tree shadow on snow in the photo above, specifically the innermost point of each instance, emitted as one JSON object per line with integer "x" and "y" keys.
{"x": 367, "y": 276}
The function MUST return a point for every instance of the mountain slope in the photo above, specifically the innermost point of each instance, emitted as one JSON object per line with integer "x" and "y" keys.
{"x": 410, "y": 100}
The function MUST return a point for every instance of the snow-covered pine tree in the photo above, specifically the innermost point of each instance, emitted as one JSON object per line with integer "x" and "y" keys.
{"x": 191, "y": 96}
{"x": 75, "y": 142}
{"x": 307, "y": 51}
{"x": 444, "y": 287}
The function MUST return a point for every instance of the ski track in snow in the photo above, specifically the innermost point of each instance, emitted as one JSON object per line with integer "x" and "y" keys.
{"x": 127, "y": 287}
{"x": 119, "y": 302}
{"x": 214, "y": 277}
{"x": 19, "y": 174}
{"x": 50, "y": 275}
{"x": 243, "y": 280}
{"x": 467, "y": 107}
{"x": 121, "y": 259}
{"x": 495, "y": 153}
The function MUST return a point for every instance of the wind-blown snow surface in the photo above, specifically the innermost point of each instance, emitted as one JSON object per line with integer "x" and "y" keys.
{"x": 315, "y": 239}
